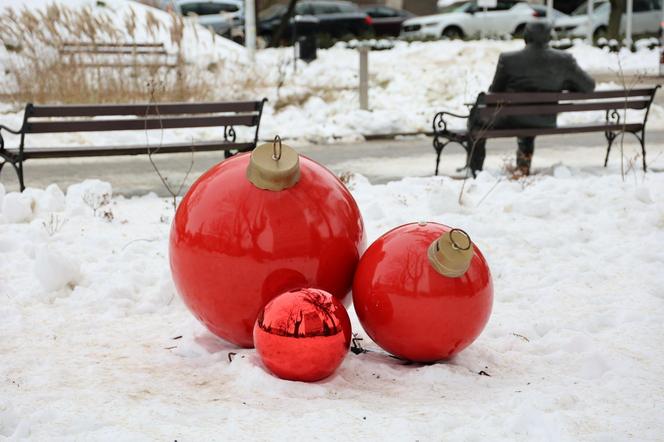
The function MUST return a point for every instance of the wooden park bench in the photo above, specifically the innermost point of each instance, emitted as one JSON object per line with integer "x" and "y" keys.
{"x": 50, "y": 119}
{"x": 493, "y": 106}
{"x": 116, "y": 55}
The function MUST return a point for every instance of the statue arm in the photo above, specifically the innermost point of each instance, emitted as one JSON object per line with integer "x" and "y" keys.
{"x": 499, "y": 83}
{"x": 578, "y": 80}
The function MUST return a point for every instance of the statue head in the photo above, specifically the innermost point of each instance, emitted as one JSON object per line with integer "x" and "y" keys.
{"x": 537, "y": 33}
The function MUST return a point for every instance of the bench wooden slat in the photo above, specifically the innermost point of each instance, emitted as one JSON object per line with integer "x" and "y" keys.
{"x": 552, "y": 97}
{"x": 531, "y": 132}
{"x": 125, "y": 65}
{"x": 548, "y": 109}
{"x": 112, "y": 45}
{"x": 111, "y": 51}
{"x": 139, "y": 124}
{"x": 94, "y": 151}
{"x": 143, "y": 109}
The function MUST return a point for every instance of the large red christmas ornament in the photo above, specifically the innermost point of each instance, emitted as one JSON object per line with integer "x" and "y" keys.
{"x": 423, "y": 291}
{"x": 255, "y": 226}
{"x": 303, "y": 335}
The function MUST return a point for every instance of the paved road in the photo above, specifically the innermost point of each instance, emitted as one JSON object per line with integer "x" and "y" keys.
{"x": 380, "y": 161}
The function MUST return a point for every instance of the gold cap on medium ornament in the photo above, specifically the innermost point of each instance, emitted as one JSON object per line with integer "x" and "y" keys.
{"x": 450, "y": 255}
{"x": 274, "y": 166}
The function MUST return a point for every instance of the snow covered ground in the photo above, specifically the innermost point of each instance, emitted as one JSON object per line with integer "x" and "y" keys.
{"x": 96, "y": 344}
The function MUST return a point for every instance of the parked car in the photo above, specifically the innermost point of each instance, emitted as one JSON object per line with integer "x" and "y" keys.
{"x": 386, "y": 21}
{"x": 646, "y": 18}
{"x": 335, "y": 18}
{"x": 466, "y": 19}
{"x": 225, "y": 17}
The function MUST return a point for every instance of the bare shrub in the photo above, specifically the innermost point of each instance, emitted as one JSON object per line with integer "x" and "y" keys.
{"x": 53, "y": 223}
{"x": 173, "y": 189}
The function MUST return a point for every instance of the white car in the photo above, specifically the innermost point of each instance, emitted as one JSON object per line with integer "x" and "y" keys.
{"x": 646, "y": 18}
{"x": 466, "y": 19}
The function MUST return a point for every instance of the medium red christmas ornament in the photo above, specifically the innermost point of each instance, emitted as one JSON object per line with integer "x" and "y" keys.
{"x": 423, "y": 291}
{"x": 303, "y": 335}
{"x": 257, "y": 225}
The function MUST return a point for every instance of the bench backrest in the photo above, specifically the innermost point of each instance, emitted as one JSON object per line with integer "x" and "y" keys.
{"x": 77, "y": 118}
{"x": 100, "y": 54}
{"x": 547, "y": 103}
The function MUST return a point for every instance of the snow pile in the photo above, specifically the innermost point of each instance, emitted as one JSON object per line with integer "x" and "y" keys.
{"x": 410, "y": 83}
{"x": 17, "y": 207}
{"x": 54, "y": 270}
{"x": 100, "y": 347}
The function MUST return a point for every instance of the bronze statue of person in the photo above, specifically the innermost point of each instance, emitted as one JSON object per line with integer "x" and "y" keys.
{"x": 535, "y": 68}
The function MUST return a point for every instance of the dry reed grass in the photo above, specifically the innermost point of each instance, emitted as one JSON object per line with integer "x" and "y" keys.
{"x": 37, "y": 71}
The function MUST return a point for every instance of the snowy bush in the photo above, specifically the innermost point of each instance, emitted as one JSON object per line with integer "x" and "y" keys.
{"x": 55, "y": 270}
{"x": 91, "y": 193}
{"x": 17, "y": 207}
{"x": 51, "y": 200}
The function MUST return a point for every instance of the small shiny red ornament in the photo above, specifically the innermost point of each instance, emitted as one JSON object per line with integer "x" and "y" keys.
{"x": 255, "y": 226}
{"x": 303, "y": 335}
{"x": 423, "y": 292}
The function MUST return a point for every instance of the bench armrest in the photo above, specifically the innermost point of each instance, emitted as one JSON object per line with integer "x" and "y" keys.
{"x": 2, "y": 140}
{"x": 439, "y": 123}
{"x": 16, "y": 132}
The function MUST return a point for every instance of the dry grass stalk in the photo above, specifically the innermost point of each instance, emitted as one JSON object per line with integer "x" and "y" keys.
{"x": 627, "y": 87}
{"x": 38, "y": 71}
{"x": 174, "y": 191}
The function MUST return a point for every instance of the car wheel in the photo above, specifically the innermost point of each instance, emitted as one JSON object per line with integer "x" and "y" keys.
{"x": 518, "y": 32}
{"x": 600, "y": 32}
{"x": 452, "y": 33}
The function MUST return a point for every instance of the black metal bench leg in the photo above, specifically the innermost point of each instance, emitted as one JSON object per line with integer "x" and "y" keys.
{"x": 610, "y": 136}
{"x": 438, "y": 147}
{"x": 19, "y": 173}
{"x": 642, "y": 139}
{"x": 18, "y": 168}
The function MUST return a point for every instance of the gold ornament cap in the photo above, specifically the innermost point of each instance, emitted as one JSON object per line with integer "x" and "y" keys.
{"x": 450, "y": 255}
{"x": 274, "y": 166}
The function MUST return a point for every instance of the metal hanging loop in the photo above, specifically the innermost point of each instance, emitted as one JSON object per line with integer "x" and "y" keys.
{"x": 276, "y": 155}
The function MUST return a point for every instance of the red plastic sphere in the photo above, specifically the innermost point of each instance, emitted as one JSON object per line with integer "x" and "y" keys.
{"x": 411, "y": 310}
{"x": 303, "y": 335}
{"x": 234, "y": 247}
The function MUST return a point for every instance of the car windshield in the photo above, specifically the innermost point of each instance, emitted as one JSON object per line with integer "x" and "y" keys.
{"x": 272, "y": 12}
{"x": 455, "y": 7}
{"x": 583, "y": 9}
{"x": 209, "y": 8}
{"x": 348, "y": 7}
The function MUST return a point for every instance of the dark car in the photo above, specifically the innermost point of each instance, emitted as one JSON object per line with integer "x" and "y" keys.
{"x": 386, "y": 21}
{"x": 338, "y": 19}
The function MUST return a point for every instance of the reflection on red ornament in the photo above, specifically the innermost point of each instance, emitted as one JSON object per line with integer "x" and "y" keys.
{"x": 255, "y": 226}
{"x": 303, "y": 335}
{"x": 423, "y": 292}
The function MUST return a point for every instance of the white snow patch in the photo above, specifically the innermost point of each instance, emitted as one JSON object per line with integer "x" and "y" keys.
{"x": 54, "y": 270}
{"x": 17, "y": 207}
{"x": 572, "y": 346}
